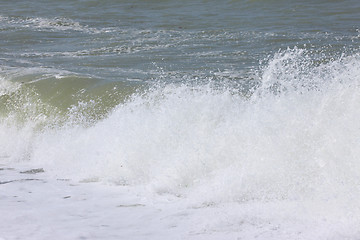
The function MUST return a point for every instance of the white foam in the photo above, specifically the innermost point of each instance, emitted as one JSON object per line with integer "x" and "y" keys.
{"x": 287, "y": 153}
{"x": 7, "y": 87}
{"x": 53, "y": 24}
{"x": 290, "y": 144}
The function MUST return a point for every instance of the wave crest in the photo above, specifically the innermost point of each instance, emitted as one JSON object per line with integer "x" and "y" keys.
{"x": 295, "y": 137}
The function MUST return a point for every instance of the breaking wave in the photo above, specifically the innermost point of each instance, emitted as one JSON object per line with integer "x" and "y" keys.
{"x": 293, "y": 135}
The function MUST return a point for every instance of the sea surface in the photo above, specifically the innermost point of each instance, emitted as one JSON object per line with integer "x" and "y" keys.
{"x": 212, "y": 102}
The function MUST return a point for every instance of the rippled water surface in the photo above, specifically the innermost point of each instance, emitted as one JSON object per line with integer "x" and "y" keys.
{"x": 145, "y": 40}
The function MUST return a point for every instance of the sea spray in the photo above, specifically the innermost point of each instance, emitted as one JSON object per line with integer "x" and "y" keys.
{"x": 296, "y": 137}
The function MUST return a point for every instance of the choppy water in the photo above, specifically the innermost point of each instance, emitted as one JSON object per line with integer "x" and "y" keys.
{"x": 221, "y": 101}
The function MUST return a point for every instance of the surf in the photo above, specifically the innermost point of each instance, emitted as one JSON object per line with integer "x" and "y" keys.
{"x": 294, "y": 135}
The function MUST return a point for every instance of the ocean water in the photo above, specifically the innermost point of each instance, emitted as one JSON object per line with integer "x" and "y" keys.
{"x": 213, "y": 102}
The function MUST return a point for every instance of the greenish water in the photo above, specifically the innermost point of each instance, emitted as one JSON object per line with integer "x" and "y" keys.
{"x": 140, "y": 40}
{"x": 59, "y": 49}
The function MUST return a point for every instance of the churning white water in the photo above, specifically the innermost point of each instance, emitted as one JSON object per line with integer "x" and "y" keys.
{"x": 286, "y": 153}
{"x": 179, "y": 119}
{"x": 295, "y": 137}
